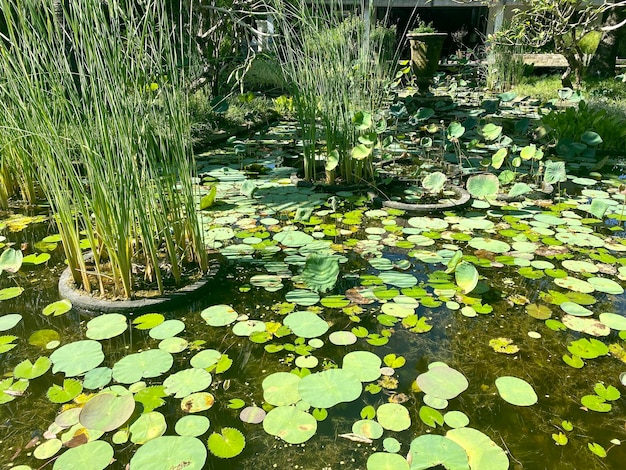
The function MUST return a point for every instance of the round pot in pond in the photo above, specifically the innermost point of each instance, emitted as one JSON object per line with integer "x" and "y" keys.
{"x": 425, "y": 53}
{"x": 454, "y": 197}
{"x": 86, "y": 302}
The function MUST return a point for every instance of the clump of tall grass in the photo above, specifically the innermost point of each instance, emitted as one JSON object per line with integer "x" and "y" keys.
{"x": 335, "y": 67}
{"x": 93, "y": 94}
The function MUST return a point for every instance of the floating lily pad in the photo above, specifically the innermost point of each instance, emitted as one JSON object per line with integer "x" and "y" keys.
{"x": 613, "y": 321}
{"x": 107, "y": 411}
{"x": 169, "y": 452}
{"x": 219, "y": 315}
{"x": 516, "y": 391}
{"x": 328, "y": 388}
{"x": 145, "y": 364}
{"x": 57, "y": 308}
{"x": 588, "y": 348}
{"x": 306, "y": 324}
{"x": 10, "y": 389}
{"x": 290, "y": 424}
{"x": 466, "y": 276}
{"x": 482, "y": 452}
{"x": 167, "y": 329}
{"x": 192, "y": 425}
{"x": 77, "y": 358}
{"x": 147, "y": 427}
{"x": 106, "y": 326}
{"x": 9, "y": 321}
{"x": 252, "y": 414}
{"x": 302, "y": 297}
{"x": 393, "y": 416}
{"x": 364, "y": 364}
{"x": 320, "y": 272}
{"x": 148, "y": 321}
{"x": 608, "y": 286}
{"x": 28, "y": 370}
{"x": 368, "y": 428}
{"x": 197, "y": 402}
{"x": 98, "y": 378}
{"x": 186, "y": 382}
{"x": 386, "y": 461}
{"x": 43, "y": 338}
{"x": 173, "y": 345}
{"x": 575, "y": 310}
{"x": 590, "y": 326}
{"x": 342, "y": 338}
{"x": 205, "y": 359}
{"x": 6, "y": 343}
{"x": 574, "y": 284}
{"x": 456, "y": 419}
{"x": 95, "y": 455}
{"x": 293, "y": 238}
{"x": 11, "y": 260}
{"x": 442, "y": 382}
{"x": 281, "y": 388}
{"x": 540, "y": 312}
{"x": 489, "y": 244}
{"x": 396, "y": 279}
{"x": 429, "y": 450}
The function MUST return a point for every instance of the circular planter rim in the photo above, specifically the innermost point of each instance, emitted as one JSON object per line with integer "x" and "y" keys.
{"x": 418, "y": 35}
{"x": 463, "y": 197}
{"x": 83, "y": 301}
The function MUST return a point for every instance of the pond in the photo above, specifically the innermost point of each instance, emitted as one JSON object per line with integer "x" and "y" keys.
{"x": 335, "y": 335}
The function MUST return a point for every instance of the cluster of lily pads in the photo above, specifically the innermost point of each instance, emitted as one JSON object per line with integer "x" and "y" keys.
{"x": 349, "y": 315}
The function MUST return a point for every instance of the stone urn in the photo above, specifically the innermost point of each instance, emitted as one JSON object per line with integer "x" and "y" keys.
{"x": 425, "y": 54}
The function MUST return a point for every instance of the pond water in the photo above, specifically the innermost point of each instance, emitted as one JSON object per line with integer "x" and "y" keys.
{"x": 395, "y": 298}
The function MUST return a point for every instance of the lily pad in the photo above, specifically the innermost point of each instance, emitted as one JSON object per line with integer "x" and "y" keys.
{"x": 320, "y": 272}
{"x": 186, "y": 382}
{"x": 442, "y": 382}
{"x": 227, "y": 444}
{"x": 170, "y": 452}
{"x": 219, "y": 315}
{"x": 146, "y": 364}
{"x": 57, "y": 308}
{"x": 393, "y": 416}
{"x": 28, "y": 370}
{"x": 107, "y": 411}
{"x": 148, "y": 321}
{"x": 302, "y": 297}
{"x": 95, "y": 455}
{"x": 328, "y": 388}
{"x": 147, "y": 427}
{"x": 167, "y": 329}
{"x": 192, "y": 425}
{"x": 9, "y": 321}
{"x": 364, "y": 364}
{"x": 516, "y": 391}
{"x": 77, "y": 358}
{"x": 292, "y": 425}
{"x": 429, "y": 450}
{"x": 481, "y": 451}
{"x": 252, "y": 414}
{"x": 106, "y": 326}
{"x": 386, "y": 461}
{"x": 197, "y": 402}
{"x": 306, "y": 324}
{"x": 368, "y": 428}
{"x": 281, "y": 388}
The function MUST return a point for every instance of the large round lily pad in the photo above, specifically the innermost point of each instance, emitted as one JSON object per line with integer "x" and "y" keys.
{"x": 442, "y": 382}
{"x": 430, "y": 450}
{"x": 227, "y": 444}
{"x": 364, "y": 364}
{"x": 192, "y": 425}
{"x": 328, "y": 388}
{"x": 386, "y": 461}
{"x": 106, "y": 326}
{"x": 481, "y": 451}
{"x": 516, "y": 391}
{"x": 107, "y": 411}
{"x": 77, "y": 358}
{"x": 393, "y": 416}
{"x": 281, "y": 388}
{"x": 186, "y": 382}
{"x": 147, "y": 427}
{"x": 306, "y": 324}
{"x": 95, "y": 455}
{"x": 145, "y": 364}
{"x": 290, "y": 424}
{"x": 219, "y": 315}
{"x": 169, "y": 452}
{"x": 9, "y": 321}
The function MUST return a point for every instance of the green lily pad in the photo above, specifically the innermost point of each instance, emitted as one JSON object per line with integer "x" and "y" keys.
{"x": 342, "y": 338}
{"x": 28, "y": 370}
{"x": 481, "y": 186}
{"x": 396, "y": 279}
{"x": 302, "y": 297}
{"x": 516, "y": 391}
{"x": 466, "y": 276}
{"x": 489, "y": 244}
{"x": 219, "y": 315}
{"x": 98, "y": 378}
{"x": 292, "y": 425}
{"x": 10, "y": 292}
{"x": 148, "y": 321}
{"x": 77, "y": 358}
{"x": 186, "y": 382}
{"x": 36, "y": 258}
{"x": 252, "y": 415}
{"x": 596, "y": 403}
{"x": 320, "y": 272}
{"x": 95, "y": 455}
{"x": 43, "y": 338}
{"x": 393, "y": 416}
{"x": 540, "y": 312}
{"x": 9, "y": 321}
{"x": 608, "y": 286}
{"x": 147, "y": 427}
{"x": 482, "y": 452}
{"x": 173, "y": 345}
{"x": 170, "y": 452}
{"x": 248, "y": 327}
{"x": 364, "y": 364}
{"x": 227, "y": 444}
{"x": 588, "y": 348}
{"x": 57, "y": 308}
{"x": 70, "y": 389}
{"x": 306, "y": 324}
{"x": 456, "y": 419}
{"x": 6, "y": 343}
{"x": 197, "y": 402}
{"x": 107, "y": 411}
{"x": 192, "y": 425}
{"x": 368, "y": 428}
{"x": 145, "y": 364}
{"x": 574, "y": 284}
{"x": 328, "y": 388}
{"x": 386, "y": 461}
{"x": 205, "y": 359}
{"x": 47, "y": 449}
{"x": 590, "y": 326}
{"x": 167, "y": 329}
{"x": 106, "y": 326}
{"x": 613, "y": 321}
{"x": 293, "y": 238}
{"x": 429, "y": 450}
{"x": 575, "y": 310}
{"x": 10, "y": 389}
{"x": 442, "y": 382}
{"x": 11, "y": 260}
{"x": 430, "y": 416}
{"x": 281, "y": 388}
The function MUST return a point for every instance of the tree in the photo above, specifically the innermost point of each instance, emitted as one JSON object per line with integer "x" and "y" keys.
{"x": 564, "y": 23}
{"x": 603, "y": 62}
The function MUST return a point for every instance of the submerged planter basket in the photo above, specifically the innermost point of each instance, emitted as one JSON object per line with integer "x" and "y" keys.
{"x": 425, "y": 53}
{"x": 81, "y": 300}
{"x": 460, "y": 199}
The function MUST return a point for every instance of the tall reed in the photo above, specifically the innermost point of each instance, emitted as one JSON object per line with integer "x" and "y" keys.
{"x": 95, "y": 96}
{"x": 335, "y": 68}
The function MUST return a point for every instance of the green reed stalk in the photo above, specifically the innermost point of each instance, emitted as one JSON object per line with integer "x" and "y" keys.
{"x": 114, "y": 148}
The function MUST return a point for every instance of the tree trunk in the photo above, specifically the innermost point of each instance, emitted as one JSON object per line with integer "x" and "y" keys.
{"x": 602, "y": 64}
